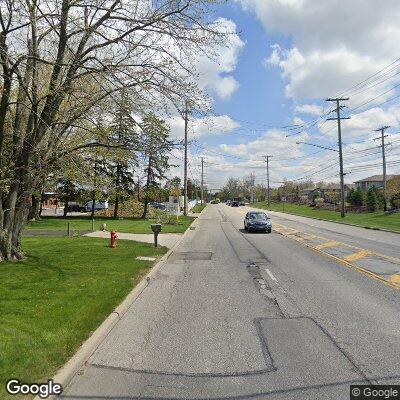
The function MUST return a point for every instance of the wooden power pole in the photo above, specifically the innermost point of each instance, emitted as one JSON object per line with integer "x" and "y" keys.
{"x": 185, "y": 173}
{"x": 268, "y": 187}
{"x": 382, "y": 138}
{"x": 338, "y": 118}
{"x": 202, "y": 180}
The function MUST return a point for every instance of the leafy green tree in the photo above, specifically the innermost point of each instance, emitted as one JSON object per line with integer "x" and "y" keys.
{"x": 393, "y": 192}
{"x": 372, "y": 200}
{"x": 381, "y": 199}
{"x": 123, "y": 158}
{"x": 395, "y": 201}
{"x": 174, "y": 182}
{"x": 98, "y": 177}
{"x": 356, "y": 197}
{"x": 157, "y": 147}
{"x": 59, "y": 59}
{"x": 350, "y": 196}
{"x": 193, "y": 189}
{"x": 67, "y": 190}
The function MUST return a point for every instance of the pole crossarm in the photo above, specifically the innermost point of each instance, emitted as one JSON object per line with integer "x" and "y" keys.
{"x": 338, "y": 99}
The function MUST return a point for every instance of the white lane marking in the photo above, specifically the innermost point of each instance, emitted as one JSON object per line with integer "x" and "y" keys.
{"x": 270, "y": 275}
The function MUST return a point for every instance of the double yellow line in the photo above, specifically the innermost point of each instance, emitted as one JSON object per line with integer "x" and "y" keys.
{"x": 348, "y": 260}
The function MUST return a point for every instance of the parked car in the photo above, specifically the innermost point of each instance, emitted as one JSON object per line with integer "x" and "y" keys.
{"x": 257, "y": 221}
{"x": 235, "y": 203}
{"x": 228, "y": 202}
{"x": 76, "y": 208}
{"x": 98, "y": 205}
{"x": 158, "y": 206}
{"x": 242, "y": 203}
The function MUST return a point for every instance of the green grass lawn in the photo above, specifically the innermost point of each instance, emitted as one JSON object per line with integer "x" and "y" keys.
{"x": 370, "y": 220}
{"x": 84, "y": 223}
{"x": 198, "y": 208}
{"x": 52, "y": 301}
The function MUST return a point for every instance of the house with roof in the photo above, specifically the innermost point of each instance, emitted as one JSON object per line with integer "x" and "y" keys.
{"x": 331, "y": 192}
{"x": 375, "y": 180}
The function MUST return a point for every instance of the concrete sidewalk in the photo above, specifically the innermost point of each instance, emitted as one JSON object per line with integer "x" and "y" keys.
{"x": 164, "y": 239}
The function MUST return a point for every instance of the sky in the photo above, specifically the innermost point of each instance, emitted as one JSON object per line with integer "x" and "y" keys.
{"x": 268, "y": 87}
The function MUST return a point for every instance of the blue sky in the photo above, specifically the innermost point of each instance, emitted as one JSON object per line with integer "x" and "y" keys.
{"x": 287, "y": 56}
{"x": 260, "y": 98}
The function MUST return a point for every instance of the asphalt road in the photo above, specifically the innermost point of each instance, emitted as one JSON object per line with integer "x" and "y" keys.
{"x": 233, "y": 315}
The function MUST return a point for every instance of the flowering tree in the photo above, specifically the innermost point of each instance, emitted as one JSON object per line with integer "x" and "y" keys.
{"x": 60, "y": 59}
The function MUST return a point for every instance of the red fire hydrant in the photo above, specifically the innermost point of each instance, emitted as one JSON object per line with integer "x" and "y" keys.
{"x": 114, "y": 237}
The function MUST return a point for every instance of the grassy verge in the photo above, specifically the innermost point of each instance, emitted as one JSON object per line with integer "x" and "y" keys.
{"x": 127, "y": 225}
{"x": 370, "y": 220}
{"x": 53, "y": 300}
{"x": 198, "y": 208}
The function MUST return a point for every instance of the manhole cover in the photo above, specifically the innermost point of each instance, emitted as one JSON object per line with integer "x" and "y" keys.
{"x": 191, "y": 255}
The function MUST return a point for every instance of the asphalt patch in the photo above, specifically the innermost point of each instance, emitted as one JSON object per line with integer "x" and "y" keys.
{"x": 190, "y": 256}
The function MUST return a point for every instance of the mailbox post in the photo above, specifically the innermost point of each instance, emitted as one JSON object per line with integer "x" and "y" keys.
{"x": 156, "y": 228}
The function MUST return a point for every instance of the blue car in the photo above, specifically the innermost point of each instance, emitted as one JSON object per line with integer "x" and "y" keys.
{"x": 257, "y": 221}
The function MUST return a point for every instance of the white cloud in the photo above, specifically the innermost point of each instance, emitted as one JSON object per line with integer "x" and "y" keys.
{"x": 213, "y": 125}
{"x": 215, "y": 74}
{"x": 325, "y": 49}
{"x": 273, "y": 141}
{"x": 312, "y": 109}
{"x": 362, "y": 125}
{"x": 226, "y": 86}
{"x": 332, "y": 48}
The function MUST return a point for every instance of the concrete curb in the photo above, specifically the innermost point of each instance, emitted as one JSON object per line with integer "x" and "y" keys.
{"x": 336, "y": 222}
{"x": 66, "y": 373}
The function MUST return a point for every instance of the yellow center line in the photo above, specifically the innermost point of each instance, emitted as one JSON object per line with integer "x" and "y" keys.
{"x": 358, "y": 256}
{"x": 327, "y": 245}
{"x": 395, "y": 279}
{"x": 307, "y": 236}
{"x": 359, "y": 253}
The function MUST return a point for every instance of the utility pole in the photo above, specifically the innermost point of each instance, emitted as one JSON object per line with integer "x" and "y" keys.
{"x": 203, "y": 200}
{"x": 268, "y": 188}
{"x": 382, "y": 137}
{"x": 252, "y": 177}
{"x": 185, "y": 174}
{"x": 138, "y": 188}
{"x": 338, "y": 119}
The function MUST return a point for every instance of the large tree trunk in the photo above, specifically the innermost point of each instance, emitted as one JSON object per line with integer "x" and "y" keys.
{"x": 116, "y": 206}
{"x": 117, "y": 191}
{"x": 34, "y": 210}
{"x": 41, "y": 205}
{"x": 15, "y": 218}
{"x": 146, "y": 198}
{"x": 93, "y": 206}
{"x": 66, "y": 204}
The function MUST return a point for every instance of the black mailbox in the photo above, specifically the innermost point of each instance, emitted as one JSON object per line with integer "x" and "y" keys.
{"x": 156, "y": 228}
